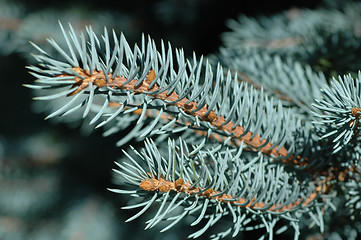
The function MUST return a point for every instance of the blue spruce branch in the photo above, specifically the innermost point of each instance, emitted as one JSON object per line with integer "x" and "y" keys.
{"x": 235, "y": 151}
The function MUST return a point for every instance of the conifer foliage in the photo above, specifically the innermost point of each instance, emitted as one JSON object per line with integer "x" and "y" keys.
{"x": 252, "y": 138}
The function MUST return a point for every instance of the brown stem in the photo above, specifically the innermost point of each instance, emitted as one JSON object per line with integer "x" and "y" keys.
{"x": 238, "y": 132}
{"x": 162, "y": 185}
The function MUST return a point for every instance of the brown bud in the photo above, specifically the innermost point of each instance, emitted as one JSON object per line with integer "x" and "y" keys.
{"x": 100, "y": 82}
{"x": 148, "y": 184}
{"x": 188, "y": 106}
{"x": 178, "y": 184}
{"x": 208, "y": 193}
{"x": 150, "y": 76}
{"x": 355, "y": 112}
{"x": 211, "y": 116}
{"x": 163, "y": 187}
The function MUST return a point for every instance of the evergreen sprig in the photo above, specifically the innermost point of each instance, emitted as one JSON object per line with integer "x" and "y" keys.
{"x": 213, "y": 184}
{"x": 340, "y": 107}
{"x": 145, "y": 79}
